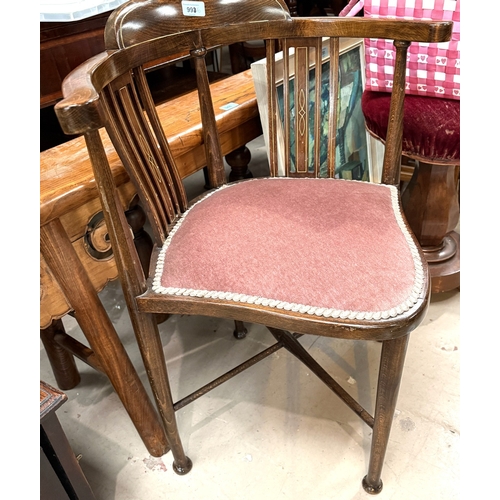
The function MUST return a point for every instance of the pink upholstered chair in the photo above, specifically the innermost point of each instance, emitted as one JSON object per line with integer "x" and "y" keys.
{"x": 322, "y": 256}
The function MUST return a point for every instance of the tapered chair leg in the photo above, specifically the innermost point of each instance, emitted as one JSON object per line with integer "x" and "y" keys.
{"x": 151, "y": 348}
{"x": 389, "y": 379}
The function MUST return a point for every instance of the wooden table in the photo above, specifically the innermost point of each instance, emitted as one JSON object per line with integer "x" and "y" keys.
{"x": 76, "y": 261}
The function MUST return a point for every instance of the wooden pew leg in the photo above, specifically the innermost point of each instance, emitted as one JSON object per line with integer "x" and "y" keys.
{"x": 62, "y": 362}
{"x": 240, "y": 331}
{"x": 69, "y": 272}
{"x": 430, "y": 203}
{"x": 238, "y": 160}
{"x": 136, "y": 218}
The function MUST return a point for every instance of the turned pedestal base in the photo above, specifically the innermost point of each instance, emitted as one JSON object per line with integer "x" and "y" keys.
{"x": 430, "y": 202}
{"x": 445, "y": 275}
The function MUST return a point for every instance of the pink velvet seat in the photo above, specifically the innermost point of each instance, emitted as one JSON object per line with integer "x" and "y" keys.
{"x": 431, "y": 126}
{"x": 352, "y": 231}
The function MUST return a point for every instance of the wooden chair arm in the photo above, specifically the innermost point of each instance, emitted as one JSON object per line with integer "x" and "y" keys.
{"x": 78, "y": 112}
{"x": 398, "y": 29}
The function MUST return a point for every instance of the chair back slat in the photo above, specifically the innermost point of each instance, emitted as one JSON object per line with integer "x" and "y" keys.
{"x": 272, "y": 108}
{"x": 303, "y": 107}
{"x": 171, "y": 175}
{"x": 144, "y": 150}
{"x": 334, "y": 92}
{"x": 285, "y": 117}
{"x": 394, "y": 140}
{"x": 317, "y": 106}
{"x": 213, "y": 152}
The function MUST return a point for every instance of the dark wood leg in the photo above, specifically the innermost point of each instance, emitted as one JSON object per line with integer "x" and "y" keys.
{"x": 69, "y": 272}
{"x": 148, "y": 339}
{"x": 430, "y": 203}
{"x": 292, "y": 7}
{"x": 237, "y": 58}
{"x": 207, "y": 178}
{"x": 238, "y": 160}
{"x": 389, "y": 379}
{"x": 136, "y": 218}
{"x": 59, "y": 352}
{"x": 240, "y": 331}
{"x": 62, "y": 362}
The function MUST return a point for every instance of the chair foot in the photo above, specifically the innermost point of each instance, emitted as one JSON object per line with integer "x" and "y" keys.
{"x": 372, "y": 490}
{"x": 183, "y": 470}
{"x": 390, "y": 372}
{"x": 240, "y": 332}
{"x": 238, "y": 160}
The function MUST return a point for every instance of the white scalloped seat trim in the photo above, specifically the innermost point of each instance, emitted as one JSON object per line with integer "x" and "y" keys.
{"x": 415, "y": 295}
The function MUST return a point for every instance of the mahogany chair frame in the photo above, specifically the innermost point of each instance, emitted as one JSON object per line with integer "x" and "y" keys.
{"x": 111, "y": 91}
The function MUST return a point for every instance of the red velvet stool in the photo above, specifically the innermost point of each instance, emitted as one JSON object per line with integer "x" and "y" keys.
{"x": 431, "y": 138}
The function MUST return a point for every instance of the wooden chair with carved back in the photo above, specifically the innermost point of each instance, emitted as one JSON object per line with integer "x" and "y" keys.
{"x": 296, "y": 226}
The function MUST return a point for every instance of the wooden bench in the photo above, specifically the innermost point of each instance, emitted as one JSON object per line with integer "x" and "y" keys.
{"x": 76, "y": 261}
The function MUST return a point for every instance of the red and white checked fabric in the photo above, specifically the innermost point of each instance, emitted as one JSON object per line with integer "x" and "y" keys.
{"x": 433, "y": 69}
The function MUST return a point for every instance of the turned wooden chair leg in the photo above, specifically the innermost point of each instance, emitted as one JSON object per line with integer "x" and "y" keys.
{"x": 151, "y": 348}
{"x": 389, "y": 379}
{"x": 62, "y": 362}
